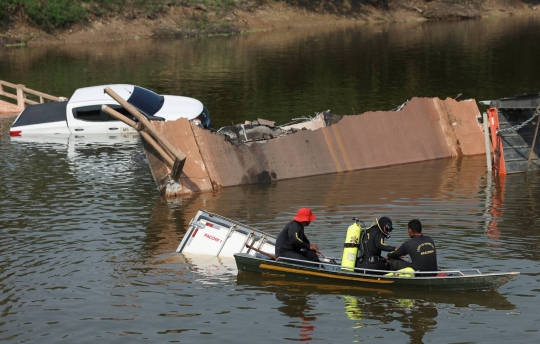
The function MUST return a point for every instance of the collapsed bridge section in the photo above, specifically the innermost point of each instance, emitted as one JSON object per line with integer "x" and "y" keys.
{"x": 423, "y": 129}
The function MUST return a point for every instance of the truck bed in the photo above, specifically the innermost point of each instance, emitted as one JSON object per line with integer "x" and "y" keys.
{"x": 42, "y": 113}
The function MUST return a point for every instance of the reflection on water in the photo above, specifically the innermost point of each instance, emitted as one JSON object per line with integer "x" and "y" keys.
{"x": 212, "y": 270}
{"x": 277, "y": 284}
{"x": 87, "y": 245}
{"x": 415, "y": 311}
{"x": 417, "y": 317}
{"x": 86, "y": 238}
{"x": 293, "y": 73}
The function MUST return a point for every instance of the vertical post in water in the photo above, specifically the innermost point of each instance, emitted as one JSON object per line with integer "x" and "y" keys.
{"x": 534, "y": 139}
{"x": 486, "y": 138}
{"x": 20, "y": 96}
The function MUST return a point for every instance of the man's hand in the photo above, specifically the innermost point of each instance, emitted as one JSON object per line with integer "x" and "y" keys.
{"x": 313, "y": 247}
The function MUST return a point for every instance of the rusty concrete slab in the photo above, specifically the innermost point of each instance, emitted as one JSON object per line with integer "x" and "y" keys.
{"x": 463, "y": 118}
{"x": 424, "y": 129}
{"x": 372, "y": 139}
{"x": 179, "y": 133}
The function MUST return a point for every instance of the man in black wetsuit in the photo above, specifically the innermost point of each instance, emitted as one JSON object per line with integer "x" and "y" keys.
{"x": 293, "y": 243}
{"x": 373, "y": 244}
{"x": 421, "y": 250}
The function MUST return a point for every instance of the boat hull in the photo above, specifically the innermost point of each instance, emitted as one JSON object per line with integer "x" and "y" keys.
{"x": 486, "y": 281}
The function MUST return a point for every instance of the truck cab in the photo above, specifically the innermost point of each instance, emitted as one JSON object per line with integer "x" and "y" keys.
{"x": 83, "y": 113}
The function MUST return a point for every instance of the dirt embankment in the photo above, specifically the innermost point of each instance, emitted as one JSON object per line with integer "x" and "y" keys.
{"x": 198, "y": 19}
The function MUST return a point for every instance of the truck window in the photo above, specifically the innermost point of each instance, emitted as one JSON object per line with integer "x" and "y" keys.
{"x": 147, "y": 102}
{"x": 89, "y": 113}
{"x": 93, "y": 113}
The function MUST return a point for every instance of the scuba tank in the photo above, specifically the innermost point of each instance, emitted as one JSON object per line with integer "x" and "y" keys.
{"x": 351, "y": 245}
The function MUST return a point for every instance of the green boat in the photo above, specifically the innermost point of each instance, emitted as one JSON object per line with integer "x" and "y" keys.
{"x": 333, "y": 273}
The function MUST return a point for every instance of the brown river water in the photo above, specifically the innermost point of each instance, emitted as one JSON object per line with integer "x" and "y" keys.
{"x": 87, "y": 246}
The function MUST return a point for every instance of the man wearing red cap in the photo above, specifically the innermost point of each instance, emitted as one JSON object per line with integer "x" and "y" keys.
{"x": 293, "y": 243}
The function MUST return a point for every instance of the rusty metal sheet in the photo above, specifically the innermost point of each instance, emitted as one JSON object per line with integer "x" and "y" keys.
{"x": 468, "y": 131}
{"x": 423, "y": 130}
{"x": 372, "y": 139}
{"x": 194, "y": 176}
{"x": 158, "y": 167}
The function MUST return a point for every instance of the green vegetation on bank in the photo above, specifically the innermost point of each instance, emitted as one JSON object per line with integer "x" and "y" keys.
{"x": 49, "y": 15}
{"x": 55, "y": 14}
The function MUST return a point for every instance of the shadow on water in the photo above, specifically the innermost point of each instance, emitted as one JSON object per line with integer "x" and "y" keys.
{"x": 365, "y": 193}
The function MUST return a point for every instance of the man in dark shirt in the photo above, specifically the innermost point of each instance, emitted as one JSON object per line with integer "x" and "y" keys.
{"x": 372, "y": 245}
{"x": 421, "y": 250}
{"x": 293, "y": 243}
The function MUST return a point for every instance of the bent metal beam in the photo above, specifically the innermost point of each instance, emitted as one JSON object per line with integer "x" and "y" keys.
{"x": 172, "y": 158}
{"x": 424, "y": 129}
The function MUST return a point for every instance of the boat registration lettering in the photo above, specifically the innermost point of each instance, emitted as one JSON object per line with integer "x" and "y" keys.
{"x": 211, "y": 237}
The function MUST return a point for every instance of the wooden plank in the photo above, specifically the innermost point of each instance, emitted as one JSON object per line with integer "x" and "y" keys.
{"x": 41, "y": 94}
{"x": 8, "y": 95}
{"x": 21, "y": 92}
{"x": 8, "y": 84}
{"x": 177, "y": 168}
{"x": 144, "y": 121}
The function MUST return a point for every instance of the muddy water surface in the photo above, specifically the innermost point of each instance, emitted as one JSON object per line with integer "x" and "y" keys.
{"x": 87, "y": 245}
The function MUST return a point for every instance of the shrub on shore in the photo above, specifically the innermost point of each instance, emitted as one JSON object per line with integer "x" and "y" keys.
{"x": 56, "y": 14}
{"x": 50, "y": 15}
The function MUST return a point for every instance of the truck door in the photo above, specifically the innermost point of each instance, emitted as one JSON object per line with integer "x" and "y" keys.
{"x": 87, "y": 120}
{"x": 91, "y": 119}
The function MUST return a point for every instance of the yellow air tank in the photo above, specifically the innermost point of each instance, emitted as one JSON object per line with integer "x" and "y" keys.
{"x": 350, "y": 247}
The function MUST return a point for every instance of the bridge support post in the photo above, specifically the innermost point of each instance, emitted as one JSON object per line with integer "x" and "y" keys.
{"x": 486, "y": 137}
{"x": 20, "y": 96}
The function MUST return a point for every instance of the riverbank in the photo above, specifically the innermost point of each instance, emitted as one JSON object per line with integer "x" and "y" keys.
{"x": 197, "y": 19}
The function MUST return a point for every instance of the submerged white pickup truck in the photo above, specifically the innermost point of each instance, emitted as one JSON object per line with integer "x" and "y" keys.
{"x": 82, "y": 114}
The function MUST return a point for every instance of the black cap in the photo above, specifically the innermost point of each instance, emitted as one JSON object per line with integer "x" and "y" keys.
{"x": 385, "y": 222}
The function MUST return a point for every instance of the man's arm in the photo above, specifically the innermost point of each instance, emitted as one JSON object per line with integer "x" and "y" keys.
{"x": 381, "y": 245}
{"x": 398, "y": 252}
{"x": 305, "y": 239}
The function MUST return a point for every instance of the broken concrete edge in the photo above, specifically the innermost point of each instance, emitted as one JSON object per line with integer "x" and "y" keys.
{"x": 263, "y": 130}
{"x": 174, "y": 189}
{"x": 183, "y": 186}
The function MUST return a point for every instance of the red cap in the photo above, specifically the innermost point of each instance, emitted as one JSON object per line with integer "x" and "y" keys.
{"x": 304, "y": 215}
